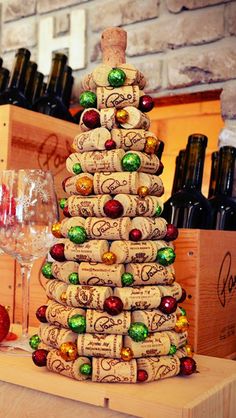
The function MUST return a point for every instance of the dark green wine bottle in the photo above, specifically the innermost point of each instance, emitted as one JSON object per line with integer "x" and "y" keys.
{"x": 214, "y": 173}
{"x": 29, "y": 81}
{"x": 67, "y": 85}
{"x": 178, "y": 176}
{"x": 37, "y": 86}
{"x": 4, "y": 79}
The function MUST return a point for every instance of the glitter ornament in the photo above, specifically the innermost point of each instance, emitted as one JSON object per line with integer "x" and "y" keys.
{"x": 34, "y": 341}
{"x": 160, "y": 169}
{"x": 41, "y": 314}
{"x": 189, "y": 350}
{"x": 56, "y": 230}
{"x": 168, "y": 305}
{"x": 173, "y": 350}
{"x": 77, "y": 169}
{"x": 116, "y": 77}
{"x": 63, "y": 203}
{"x": 135, "y": 235}
{"x": 57, "y": 252}
{"x": 131, "y": 162}
{"x": 127, "y": 279}
{"x": 110, "y": 144}
{"x": 146, "y": 103}
{"x": 122, "y": 116}
{"x": 113, "y": 305}
{"x": 68, "y": 351}
{"x": 187, "y": 366}
{"x": 73, "y": 278}
{"x": 181, "y": 324}
{"x": 77, "y": 323}
{"x": 183, "y": 311}
{"x": 84, "y": 186}
{"x": 171, "y": 233}
{"x": 151, "y": 145}
{"x": 109, "y": 258}
{"x": 85, "y": 369}
{"x": 165, "y": 256}
{"x": 138, "y": 331}
{"x": 88, "y": 99}
{"x": 77, "y": 234}
{"x": 126, "y": 354}
{"x": 91, "y": 119}
{"x": 63, "y": 297}
{"x": 40, "y": 357}
{"x": 47, "y": 270}
{"x": 183, "y": 296}
{"x": 143, "y": 191}
{"x": 4, "y": 322}
{"x": 142, "y": 375}
{"x": 113, "y": 209}
{"x": 158, "y": 210}
{"x": 66, "y": 212}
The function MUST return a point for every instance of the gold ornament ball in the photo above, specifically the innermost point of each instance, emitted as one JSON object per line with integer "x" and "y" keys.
{"x": 126, "y": 354}
{"x": 68, "y": 351}
{"x": 109, "y": 258}
{"x": 84, "y": 186}
{"x": 151, "y": 145}
{"x": 143, "y": 191}
{"x": 63, "y": 297}
{"x": 189, "y": 350}
{"x": 181, "y": 324}
{"x": 122, "y": 116}
{"x": 56, "y": 230}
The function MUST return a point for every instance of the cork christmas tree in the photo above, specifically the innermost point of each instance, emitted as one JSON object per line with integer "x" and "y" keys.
{"x": 113, "y": 313}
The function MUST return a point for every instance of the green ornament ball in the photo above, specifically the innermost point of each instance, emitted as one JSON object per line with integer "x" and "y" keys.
{"x": 165, "y": 256}
{"x": 34, "y": 341}
{"x": 77, "y": 234}
{"x": 85, "y": 369}
{"x": 63, "y": 203}
{"x": 173, "y": 350}
{"x": 116, "y": 77}
{"x": 138, "y": 331}
{"x": 77, "y": 168}
{"x": 131, "y": 162}
{"x": 47, "y": 270}
{"x": 88, "y": 99}
{"x": 74, "y": 278}
{"x": 158, "y": 210}
{"x": 183, "y": 311}
{"x": 127, "y": 279}
{"x": 77, "y": 323}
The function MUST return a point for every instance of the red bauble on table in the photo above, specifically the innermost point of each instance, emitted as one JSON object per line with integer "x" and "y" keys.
{"x": 57, "y": 252}
{"x": 4, "y": 323}
{"x": 171, "y": 233}
{"x": 187, "y": 366}
{"x": 113, "y": 305}
{"x": 91, "y": 119}
{"x": 41, "y": 314}
{"x": 135, "y": 235}
{"x": 113, "y": 209}
{"x": 40, "y": 357}
{"x": 168, "y": 305}
{"x": 146, "y": 103}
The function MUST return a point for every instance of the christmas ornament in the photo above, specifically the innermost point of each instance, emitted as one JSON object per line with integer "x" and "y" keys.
{"x": 57, "y": 252}
{"x": 109, "y": 258}
{"x": 146, "y": 103}
{"x": 77, "y": 169}
{"x": 187, "y": 366}
{"x": 189, "y": 350}
{"x": 34, "y": 341}
{"x": 113, "y": 209}
{"x": 4, "y": 323}
{"x": 68, "y": 351}
{"x": 142, "y": 375}
{"x": 158, "y": 210}
{"x": 126, "y": 354}
{"x": 85, "y": 369}
{"x": 77, "y": 323}
{"x": 171, "y": 233}
{"x": 63, "y": 202}
{"x": 135, "y": 235}
{"x": 131, "y": 162}
{"x": 47, "y": 270}
{"x": 63, "y": 183}
{"x": 183, "y": 296}
{"x": 116, "y": 77}
{"x": 41, "y": 314}
{"x": 88, "y": 99}
{"x": 74, "y": 278}
{"x": 91, "y": 119}
{"x": 168, "y": 305}
{"x": 77, "y": 234}
{"x": 63, "y": 297}
{"x": 113, "y": 305}
{"x": 181, "y": 324}
{"x": 143, "y": 191}
{"x": 160, "y": 169}
{"x": 66, "y": 212}
{"x": 110, "y": 144}
{"x": 40, "y": 357}
{"x": 183, "y": 311}
{"x": 165, "y": 256}
{"x": 173, "y": 350}
{"x": 122, "y": 116}
{"x": 127, "y": 279}
{"x": 84, "y": 186}
{"x": 151, "y": 145}
{"x": 138, "y": 331}
{"x": 56, "y": 230}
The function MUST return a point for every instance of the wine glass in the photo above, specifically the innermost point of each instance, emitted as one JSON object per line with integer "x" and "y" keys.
{"x": 28, "y": 209}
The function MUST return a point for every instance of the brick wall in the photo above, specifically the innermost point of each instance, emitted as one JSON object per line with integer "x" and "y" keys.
{"x": 180, "y": 45}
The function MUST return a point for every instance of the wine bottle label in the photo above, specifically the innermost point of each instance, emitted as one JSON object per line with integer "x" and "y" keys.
{"x": 151, "y": 228}
{"x": 103, "y": 323}
{"x": 134, "y": 252}
{"x": 147, "y": 297}
{"x": 99, "y": 274}
{"x": 87, "y": 205}
{"x": 117, "y": 97}
{"x": 88, "y": 251}
{"x": 91, "y": 140}
{"x": 155, "y": 320}
{"x": 136, "y": 119}
{"x": 156, "y": 344}
{"x": 97, "y": 345}
{"x": 59, "y": 315}
{"x": 159, "y": 367}
{"x": 54, "y": 289}
{"x": 177, "y": 338}
{"x": 151, "y": 273}
{"x": 62, "y": 270}
{"x": 87, "y": 296}
{"x": 152, "y": 182}
{"x": 55, "y": 363}
{"x": 137, "y": 206}
{"x": 106, "y": 228}
{"x": 115, "y": 183}
{"x": 55, "y": 336}
{"x": 67, "y": 223}
{"x": 114, "y": 370}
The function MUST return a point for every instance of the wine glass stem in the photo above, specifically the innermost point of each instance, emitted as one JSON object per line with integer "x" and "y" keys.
{"x": 25, "y": 269}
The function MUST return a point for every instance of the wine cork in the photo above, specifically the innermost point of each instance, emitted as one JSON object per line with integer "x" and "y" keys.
{"x": 182, "y": 352}
{"x": 82, "y": 125}
{"x": 177, "y": 338}
{"x": 87, "y": 83}
{"x": 62, "y": 270}
{"x": 151, "y": 228}
{"x": 70, "y": 183}
{"x": 149, "y": 162}
{"x": 147, "y": 297}
{"x": 114, "y": 370}
{"x": 152, "y": 182}
{"x": 74, "y": 158}
{"x": 107, "y": 228}
{"x": 55, "y": 336}
{"x": 159, "y": 367}
{"x": 151, "y": 273}
{"x": 54, "y": 289}
{"x": 136, "y": 119}
{"x": 132, "y": 75}
{"x": 108, "y": 118}
{"x": 91, "y": 140}
{"x": 113, "y": 45}
{"x": 55, "y": 363}
{"x": 174, "y": 290}
{"x": 156, "y": 344}
{"x": 155, "y": 320}
{"x": 57, "y": 314}
{"x": 136, "y": 206}
{"x": 134, "y": 252}
{"x": 103, "y": 323}
{"x": 130, "y": 139}
{"x": 115, "y": 183}
{"x": 88, "y": 251}
{"x": 43, "y": 346}
{"x": 100, "y": 161}
{"x": 68, "y": 223}
{"x": 97, "y": 345}
{"x": 99, "y": 274}
{"x": 118, "y": 98}
{"x": 87, "y": 205}
{"x": 87, "y": 296}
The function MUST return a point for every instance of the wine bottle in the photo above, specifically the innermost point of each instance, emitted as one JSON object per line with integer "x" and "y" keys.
{"x": 37, "y": 86}
{"x": 160, "y": 149}
{"x": 14, "y": 94}
{"x": 67, "y": 85}
{"x": 29, "y": 80}
{"x": 223, "y": 206}
{"x": 188, "y": 208}
{"x": 1, "y": 62}
{"x": 178, "y": 176}
{"x": 213, "y": 175}
{"x": 4, "y": 79}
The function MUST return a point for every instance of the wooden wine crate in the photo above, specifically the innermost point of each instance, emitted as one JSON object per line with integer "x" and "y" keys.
{"x": 206, "y": 268}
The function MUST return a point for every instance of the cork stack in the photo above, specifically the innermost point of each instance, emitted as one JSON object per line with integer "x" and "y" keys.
{"x": 112, "y": 313}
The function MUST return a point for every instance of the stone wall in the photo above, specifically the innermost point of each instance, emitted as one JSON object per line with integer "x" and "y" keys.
{"x": 180, "y": 45}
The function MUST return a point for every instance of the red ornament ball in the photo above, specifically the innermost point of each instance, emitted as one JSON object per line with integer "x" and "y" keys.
{"x": 39, "y": 357}
{"x": 168, "y": 305}
{"x": 4, "y": 323}
{"x": 63, "y": 183}
{"x": 110, "y": 144}
{"x": 183, "y": 296}
{"x": 113, "y": 209}
{"x": 160, "y": 169}
{"x": 57, "y": 252}
{"x": 135, "y": 235}
{"x": 142, "y": 376}
{"x": 146, "y": 103}
{"x": 113, "y": 305}
{"x": 41, "y": 314}
{"x": 91, "y": 119}
{"x": 171, "y": 233}
{"x": 66, "y": 212}
{"x": 187, "y": 366}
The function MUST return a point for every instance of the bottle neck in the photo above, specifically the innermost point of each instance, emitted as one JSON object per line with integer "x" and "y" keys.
{"x": 225, "y": 177}
{"x": 37, "y": 86}
{"x": 160, "y": 149}
{"x": 214, "y": 173}
{"x": 178, "y": 176}
{"x": 4, "y": 78}
{"x": 55, "y": 81}
{"x": 68, "y": 81}
{"x": 29, "y": 80}
{"x": 194, "y": 164}
{"x": 17, "y": 79}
